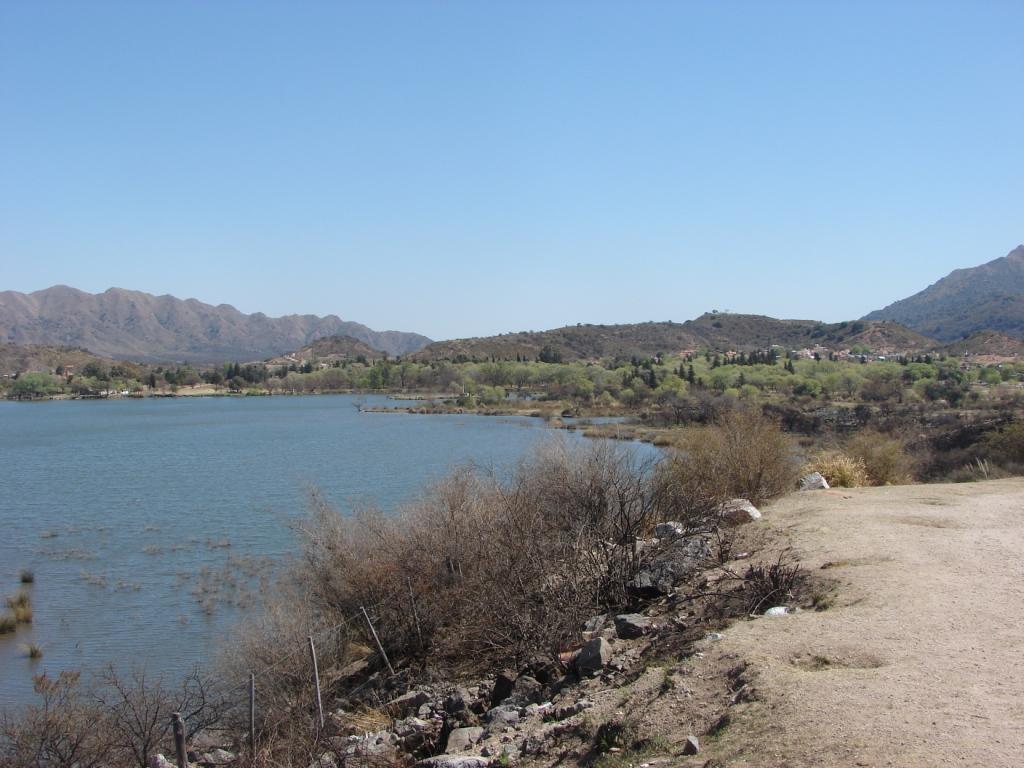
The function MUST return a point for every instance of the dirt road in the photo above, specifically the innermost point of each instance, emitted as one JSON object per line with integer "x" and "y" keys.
{"x": 919, "y": 662}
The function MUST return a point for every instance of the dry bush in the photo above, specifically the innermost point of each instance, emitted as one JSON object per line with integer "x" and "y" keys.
{"x": 113, "y": 721}
{"x": 743, "y": 454}
{"x": 61, "y": 731}
{"x": 840, "y": 470}
{"x": 885, "y": 458}
{"x": 1005, "y": 447}
{"x": 484, "y": 567}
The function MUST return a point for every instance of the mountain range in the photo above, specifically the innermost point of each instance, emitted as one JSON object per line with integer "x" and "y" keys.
{"x": 979, "y": 308}
{"x": 132, "y": 325}
{"x": 989, "y": 297}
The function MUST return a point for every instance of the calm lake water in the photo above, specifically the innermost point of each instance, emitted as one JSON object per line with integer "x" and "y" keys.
{"x": 150, "y": 523}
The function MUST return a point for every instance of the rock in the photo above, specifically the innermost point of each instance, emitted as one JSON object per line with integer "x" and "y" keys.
{"x": 567, "y": 711}
{"x": 458, "y": 701}
{"x": 542, "y": 669}
{"x": 503, "y": 685}
{"x": 632, "y": 625}
{"x": 738, "y": 512}
{"x": 159, "y": 761}
{"x": 593, "y": 656}
{"x": 461, "y": 739}
{"x": 527, "y": 690}
{"x": 502, "y": 716}
{"x": 412, "y": 725}
{"x": 779, "y": 610}
{"x": 216, "y": 757}
{"x": 453, "y": 761}
{"x": 813, "y": 482}
{"x": 669, "y": 530}
{"x": 691, "y": 746}
{"x": 407, "y": 703}
{"x": 593, "y": 625}
{"x": 713, "y": 636}
{"x": 676, "y": 561}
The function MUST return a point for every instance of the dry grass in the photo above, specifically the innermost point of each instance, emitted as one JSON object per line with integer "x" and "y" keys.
{"x": 840, "y": 470}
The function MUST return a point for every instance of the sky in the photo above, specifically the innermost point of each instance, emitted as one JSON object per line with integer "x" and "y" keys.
{"x": 462, "y": 169}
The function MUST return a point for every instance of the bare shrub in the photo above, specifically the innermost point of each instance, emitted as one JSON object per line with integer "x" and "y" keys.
{"x": 63, "y": 730}
{"x": 743, "y": 454}
{"x": 840, "y": 470}
{"x": 138, "y": 710}
{"x": 483, "y": 566}
{"x": 885, "y": 458}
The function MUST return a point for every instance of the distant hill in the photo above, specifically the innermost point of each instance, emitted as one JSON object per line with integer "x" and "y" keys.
{"x": 23, "y": 358}
{"x": 986, "y": 344}
{"x": 329, "y": 349}
{"x": 125, "y": 324}
{"x": 726, "y": 331}
{"x": 985, "y": 298}
{"x": 573, "y": 342}
{"x": 719, "y": 331}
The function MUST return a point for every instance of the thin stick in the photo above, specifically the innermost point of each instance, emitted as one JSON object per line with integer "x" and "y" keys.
{"x": 377, "y": 640}
{"x": 252, "y": 713}
{"x": 316, "y": 680}
{"x": 179, "y": 739}
{"x": 415, "y": 613}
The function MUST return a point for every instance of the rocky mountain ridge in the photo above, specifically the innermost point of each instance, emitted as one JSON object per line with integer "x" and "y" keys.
{"x": 133, "y": 325}
{"x": 989, "y": 297}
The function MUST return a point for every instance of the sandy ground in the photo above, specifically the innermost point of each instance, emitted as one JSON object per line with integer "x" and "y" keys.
{"x": 920, "y": 660}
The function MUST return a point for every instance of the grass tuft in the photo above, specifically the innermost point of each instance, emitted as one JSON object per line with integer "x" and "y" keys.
{"x": 21, "y": 608}
{"x": 34, "y": 651}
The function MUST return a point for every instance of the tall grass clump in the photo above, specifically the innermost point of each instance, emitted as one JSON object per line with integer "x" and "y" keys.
{"x": 840, "y": 470}
{"x": 7, "y": 624}
{"x": 27, "y": 576}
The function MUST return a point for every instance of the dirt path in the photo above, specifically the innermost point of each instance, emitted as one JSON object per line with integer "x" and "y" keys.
{"x": 920, "y": 661}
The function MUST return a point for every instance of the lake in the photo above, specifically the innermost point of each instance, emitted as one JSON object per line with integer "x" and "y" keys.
{"x": 151, "y": 524}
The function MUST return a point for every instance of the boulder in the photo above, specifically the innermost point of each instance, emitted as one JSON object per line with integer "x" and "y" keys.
{"x": 159, "y": 761}
{"x": 408, "y": 703}
{"x": 629, "y": 626}
{"x": 813, "y": 482}
{"x": 461, "y": 739}
{"x": 593, "y": 656}
{"x": 691, "y": 746}
{"x": 527, "y": 690}
{"x": 505, "y": 715}
{"x": 457, "y": 701}
{"x": 671, "y": 565}
{"x": 503, "y": 685}
{"x": 738, "y": 512}
{"x": 778, "y": 610}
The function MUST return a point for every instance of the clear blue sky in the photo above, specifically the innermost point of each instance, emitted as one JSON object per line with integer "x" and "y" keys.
{"x": 470, "y": 168}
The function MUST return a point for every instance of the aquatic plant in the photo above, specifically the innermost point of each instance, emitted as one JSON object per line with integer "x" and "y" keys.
{"x": 21, "y": 608}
